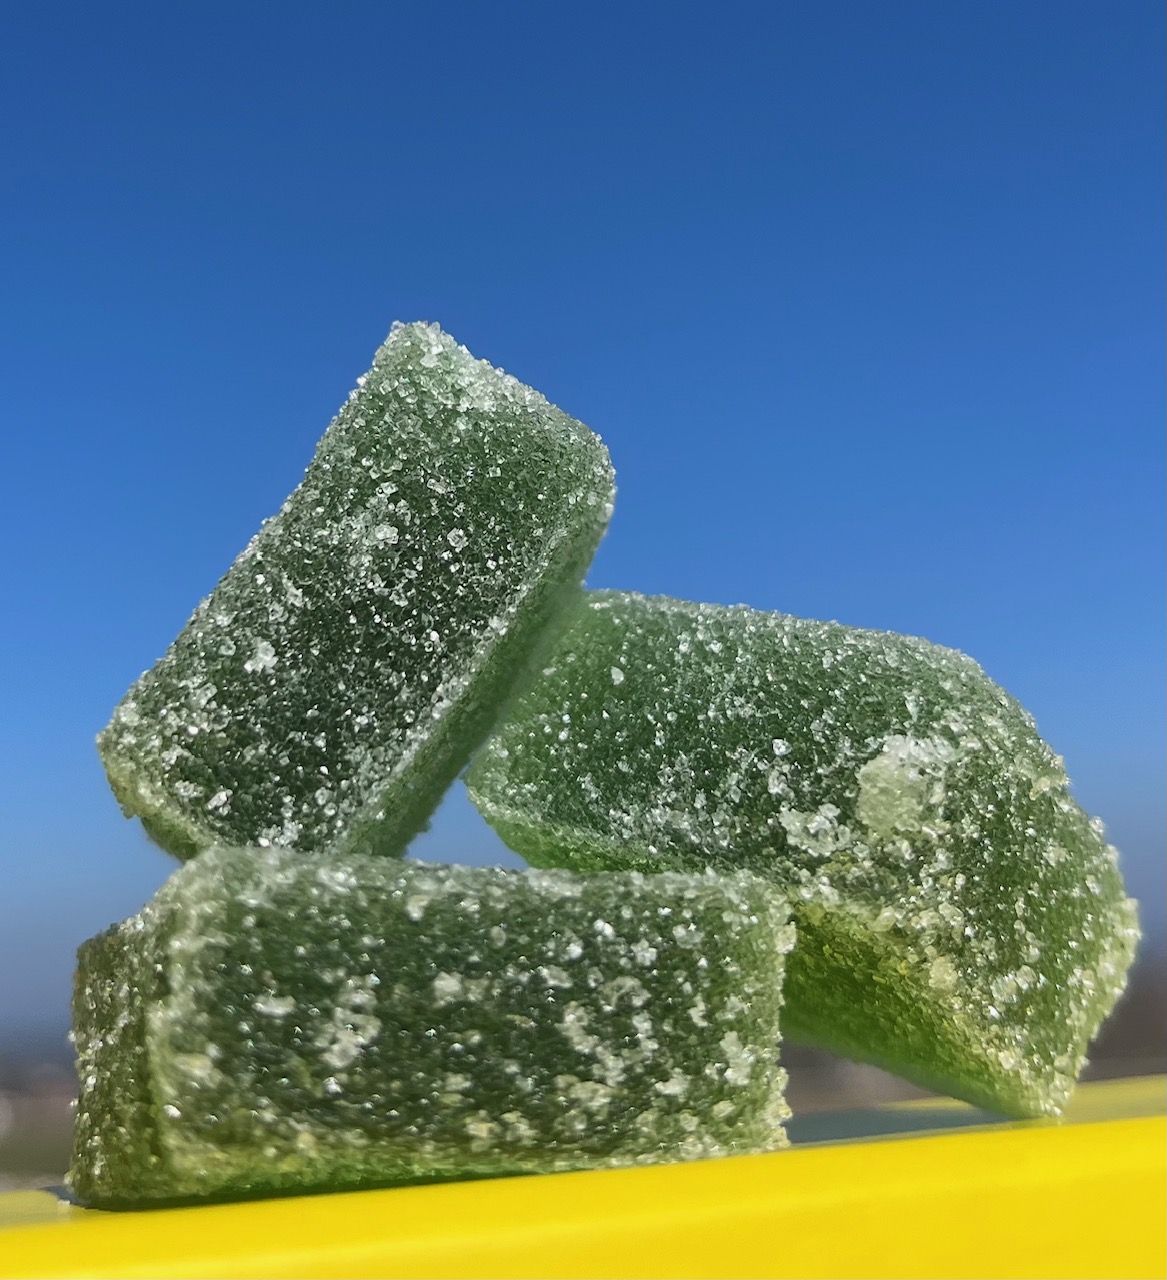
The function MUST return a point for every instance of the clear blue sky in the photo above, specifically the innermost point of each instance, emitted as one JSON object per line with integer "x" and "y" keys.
{"x": 866, "y": 300}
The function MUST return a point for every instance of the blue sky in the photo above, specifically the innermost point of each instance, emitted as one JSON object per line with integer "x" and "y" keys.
{"x": 865, "y": 299}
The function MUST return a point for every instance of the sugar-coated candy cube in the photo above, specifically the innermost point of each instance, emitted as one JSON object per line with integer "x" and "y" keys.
{"x": 960, "y": 920}
{"x": 338, "y": 677}
{"x": 280, "y": 1021}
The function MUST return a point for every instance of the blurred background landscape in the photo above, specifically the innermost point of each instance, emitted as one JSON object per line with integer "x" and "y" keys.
{"x": 866, "y": 301}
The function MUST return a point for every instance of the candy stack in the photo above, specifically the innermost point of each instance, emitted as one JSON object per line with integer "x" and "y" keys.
{"x": 726, "y": 809}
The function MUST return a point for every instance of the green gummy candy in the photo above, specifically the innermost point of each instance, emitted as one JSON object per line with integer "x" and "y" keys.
{"x": 276, "y": 1021}
{"x": 341, "y": 673}
{"x": 960, "y": 920}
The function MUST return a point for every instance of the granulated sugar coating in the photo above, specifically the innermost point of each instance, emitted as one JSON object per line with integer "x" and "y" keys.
{"x": 338, "y": 677}
{"x": 961, "y": 921}
{"x": 279, "y": 1021}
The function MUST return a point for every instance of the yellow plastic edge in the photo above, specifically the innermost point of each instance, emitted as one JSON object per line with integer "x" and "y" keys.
{"x": 1073, "y": 1200}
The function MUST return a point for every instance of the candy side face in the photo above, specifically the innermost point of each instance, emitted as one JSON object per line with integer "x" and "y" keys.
{"x": 118, "y": 979}
{"x": 338, "y": 677}
{"x": 961, "y": 920}
{"x": 325, "y": 1023}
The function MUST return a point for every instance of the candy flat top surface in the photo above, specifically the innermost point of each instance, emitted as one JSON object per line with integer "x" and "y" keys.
{"x": 927, "y": 836}
{"x": 954, "y": 1193}
{"x": 341, "y": 672}
{"x": 323, "y": 1022}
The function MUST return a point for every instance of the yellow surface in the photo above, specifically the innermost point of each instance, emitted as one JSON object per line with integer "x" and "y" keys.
{"x": 1080, "y": 1198}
